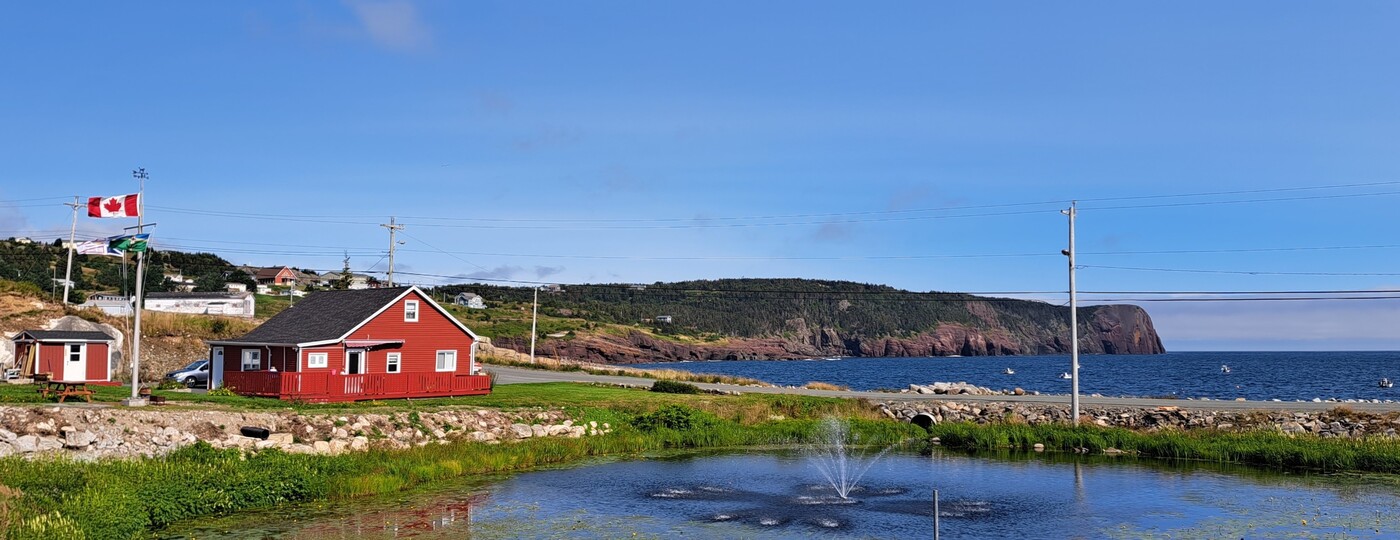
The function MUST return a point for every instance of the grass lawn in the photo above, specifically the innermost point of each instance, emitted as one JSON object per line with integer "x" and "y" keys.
{"x": 267, "y": 305}
{"x": 583, "y": 401}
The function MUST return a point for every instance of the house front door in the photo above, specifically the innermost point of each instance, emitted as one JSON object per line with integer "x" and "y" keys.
{"x": 74, "y": 369}
{"x": 354, "y": 362}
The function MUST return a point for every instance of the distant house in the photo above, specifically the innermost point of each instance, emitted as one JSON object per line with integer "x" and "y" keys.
{"x": 236, "y": 287}
{"x": 236, "y": 304}
{"x": 305, "y": 279}
{"x": 65, "y": 355}
{"x": 109, "y": 303}
{"x": 663, "y": 319}
{"x": 357, "y": 281}
{"x": 353, "y": 345}
{"x": 181, "y": 282}
{"x": 274, "y": 275}
{"x": 470, "y": 300}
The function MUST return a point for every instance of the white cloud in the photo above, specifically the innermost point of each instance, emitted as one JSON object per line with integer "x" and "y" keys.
{"x": 392, "y": 24}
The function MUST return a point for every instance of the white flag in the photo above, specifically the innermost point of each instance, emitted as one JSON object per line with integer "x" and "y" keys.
{"x": 97, "y": 247}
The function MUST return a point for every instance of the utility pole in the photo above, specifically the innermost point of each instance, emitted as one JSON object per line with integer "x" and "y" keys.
{"x": 392, "y": 229}
{"x": 1073, "y": 320}
{"x": 534, "y": 319}
{"x": 72, "y": 234}
{"x": 136, "y": 400}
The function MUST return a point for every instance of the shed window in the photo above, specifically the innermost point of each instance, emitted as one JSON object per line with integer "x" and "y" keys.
{"x": 447, "y": 360}
{"x": 392, "y": 364}
{"x": 252, "y": 360}
{"x": 75, "y": 352}
{"x": 318, "y": 359}
{"x": 410, "y": 311}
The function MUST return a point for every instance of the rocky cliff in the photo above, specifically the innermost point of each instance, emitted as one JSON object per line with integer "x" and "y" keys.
{"x": 1116, "y": 329}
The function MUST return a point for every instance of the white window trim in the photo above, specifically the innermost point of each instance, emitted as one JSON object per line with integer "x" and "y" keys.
{"x": 68, "y": 352}
{"x": 318, "y": 360}
{"x": 393, "y": 359}
{"x": 437, "y": 363}
{"x": 407, "y": 311}
{"x": 249, "y": 354}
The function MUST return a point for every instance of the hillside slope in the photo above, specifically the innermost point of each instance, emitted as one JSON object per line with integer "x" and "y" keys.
{"x": 792, "y": 318}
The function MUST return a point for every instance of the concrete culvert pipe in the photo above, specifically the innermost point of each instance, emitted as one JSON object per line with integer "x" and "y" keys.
{"x": 923, "y": 420}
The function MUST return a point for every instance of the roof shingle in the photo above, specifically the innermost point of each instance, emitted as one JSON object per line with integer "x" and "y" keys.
{"x": 320, "y": 316}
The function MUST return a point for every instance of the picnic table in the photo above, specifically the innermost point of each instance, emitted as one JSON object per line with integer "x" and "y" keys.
{"x": 65, "y": 390}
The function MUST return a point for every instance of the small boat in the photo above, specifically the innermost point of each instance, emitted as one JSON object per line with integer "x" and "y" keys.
{"x": 1224, "y": 368}
{"x": 1385, "y": 382}
{"x": 1065, "y": 375}
{"x": 1008, "y": 371}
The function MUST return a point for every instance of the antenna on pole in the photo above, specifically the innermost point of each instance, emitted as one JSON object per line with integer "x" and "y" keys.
{"x": 1073, "y": 319}
{"x": 72, "y": 234}
{"x": 392, "y": 229}
{"x": 136, "y": 400}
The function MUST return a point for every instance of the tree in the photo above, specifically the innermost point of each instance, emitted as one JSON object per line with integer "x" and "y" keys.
{"x": 343, "y": 282}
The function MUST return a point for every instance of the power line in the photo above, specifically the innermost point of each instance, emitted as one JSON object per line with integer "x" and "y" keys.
{"x": 1240, "y": 272}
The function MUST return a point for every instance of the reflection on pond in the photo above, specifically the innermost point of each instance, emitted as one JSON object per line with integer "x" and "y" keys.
{"x": 779, "y": 494}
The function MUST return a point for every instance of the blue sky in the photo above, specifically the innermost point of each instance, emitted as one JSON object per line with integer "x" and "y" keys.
{"x": 655, "y": 141}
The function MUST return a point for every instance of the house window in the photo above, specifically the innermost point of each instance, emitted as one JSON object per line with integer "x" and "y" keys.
{"x": 318, "y": 359}
{"x": 392, "y": 365}
{"x": 75, "y": 352}
{"x": 410, "y": 311}
{"x": 447, "y": 360}
{"x": 252, "y": 360}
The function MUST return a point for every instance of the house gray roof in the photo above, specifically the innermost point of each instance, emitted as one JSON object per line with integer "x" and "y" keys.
{"x": 64, "y": 335}
{"x": 323, "y": 315}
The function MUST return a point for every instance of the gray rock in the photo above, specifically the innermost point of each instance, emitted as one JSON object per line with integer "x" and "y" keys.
{"x": 25, "y": 444}
{"x": 78, "y": 439}
{"x": 522, "y": 431}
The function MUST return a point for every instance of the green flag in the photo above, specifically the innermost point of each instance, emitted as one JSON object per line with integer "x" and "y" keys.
{"x": 130, "y": 242}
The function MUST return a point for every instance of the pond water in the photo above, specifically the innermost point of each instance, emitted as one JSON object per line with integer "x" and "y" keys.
{"x": 781, "y": 494}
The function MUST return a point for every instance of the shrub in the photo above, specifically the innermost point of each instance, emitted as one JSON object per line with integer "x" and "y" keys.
{"x": 677, "y": 417}
{"x": 223, "y": 391}
{"x": 674, "y": 387}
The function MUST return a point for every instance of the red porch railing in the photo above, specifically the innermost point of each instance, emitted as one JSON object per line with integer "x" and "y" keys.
{"x": 323, "y": 386}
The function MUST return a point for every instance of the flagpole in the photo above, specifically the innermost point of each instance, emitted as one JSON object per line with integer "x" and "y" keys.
{"x": 72, "y": 234}
{"x": 136, "y": 400}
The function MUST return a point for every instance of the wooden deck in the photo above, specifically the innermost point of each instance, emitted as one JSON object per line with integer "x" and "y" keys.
{"x": 325, "y": 387}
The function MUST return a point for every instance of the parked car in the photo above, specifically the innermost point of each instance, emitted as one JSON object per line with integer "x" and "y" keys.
{"x": 192, "y": 375}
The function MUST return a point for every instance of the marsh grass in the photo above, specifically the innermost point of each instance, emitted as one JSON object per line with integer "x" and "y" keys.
{"x": 818, "y": 385}
{"x": 1260, "y": 448}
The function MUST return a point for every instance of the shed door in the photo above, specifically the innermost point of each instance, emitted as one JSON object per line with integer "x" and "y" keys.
{"x": 74, "y": 368}
{"x": 216, "y": 369}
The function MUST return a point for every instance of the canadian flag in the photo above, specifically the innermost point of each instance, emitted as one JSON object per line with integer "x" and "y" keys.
{"x": 119, "y": 206}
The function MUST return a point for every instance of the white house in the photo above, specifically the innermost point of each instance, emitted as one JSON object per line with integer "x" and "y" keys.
{"x": 237, "y": 304}
{"x": 470, "y": 300}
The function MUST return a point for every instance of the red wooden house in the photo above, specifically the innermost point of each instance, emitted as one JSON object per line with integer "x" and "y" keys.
{"x": 65, "y": 355}
{"x": 352, "y": 345}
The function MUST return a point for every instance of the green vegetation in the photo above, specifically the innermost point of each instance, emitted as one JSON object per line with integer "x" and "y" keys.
{"x": 267, "y": 305}
{"x": 712, "y": 309}
{"x": 127, "y": 499}
{"x": 36, "y": 262}
{"x": 673, "y": 387}
{"x": 1261, "y": 448}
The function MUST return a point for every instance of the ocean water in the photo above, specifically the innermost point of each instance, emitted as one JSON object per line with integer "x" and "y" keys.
{"x": 1287, "y": 376}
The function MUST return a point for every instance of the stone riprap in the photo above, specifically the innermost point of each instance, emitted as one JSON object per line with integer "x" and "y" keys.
{"x": 1337, "y": 422}
{"x": 92, "y": 432}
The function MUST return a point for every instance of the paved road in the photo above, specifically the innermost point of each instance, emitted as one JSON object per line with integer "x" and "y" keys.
{"x": 510, "y": 375}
